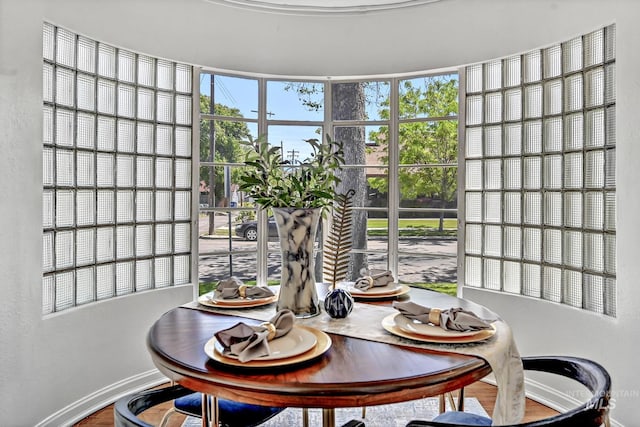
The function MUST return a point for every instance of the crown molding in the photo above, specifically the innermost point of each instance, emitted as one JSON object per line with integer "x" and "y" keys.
{"x": 319, "y": 7}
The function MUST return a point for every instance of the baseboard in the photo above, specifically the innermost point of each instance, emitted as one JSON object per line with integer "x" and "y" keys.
{"x": 549, "y": 397}
{"x": 97, "y": 400}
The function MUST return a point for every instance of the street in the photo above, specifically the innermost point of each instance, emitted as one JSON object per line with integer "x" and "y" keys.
{"x": 429, "y": 259}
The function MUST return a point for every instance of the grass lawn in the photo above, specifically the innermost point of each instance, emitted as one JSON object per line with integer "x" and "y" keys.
{"x": 445, "y": 288}
{"x": 449, "y": 223}
{"x": 408, "y": 227}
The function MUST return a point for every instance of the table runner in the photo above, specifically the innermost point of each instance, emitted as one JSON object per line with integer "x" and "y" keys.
{"x": 499, "y": 351}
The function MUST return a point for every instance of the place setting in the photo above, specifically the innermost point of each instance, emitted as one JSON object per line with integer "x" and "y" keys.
{"x": 278, "y": 342}
{"x": 376, "y": 285}
{"x": 233, "y": 293}
{"x": 433, "y": 325}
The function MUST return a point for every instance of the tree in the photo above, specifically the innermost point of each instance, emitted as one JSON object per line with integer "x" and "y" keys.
{"x": 219, "y": 143}
{"x": 425, "y": 142}
{"x": 349, "y": 103}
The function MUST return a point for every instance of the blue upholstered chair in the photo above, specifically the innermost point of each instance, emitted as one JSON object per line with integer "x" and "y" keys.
{"x": 188, "y": 402}
{"x": 593, "y": 413}
{"x": 230, "y": 414}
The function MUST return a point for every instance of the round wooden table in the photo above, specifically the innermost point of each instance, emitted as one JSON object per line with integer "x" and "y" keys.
{"x": 352, "y": 373}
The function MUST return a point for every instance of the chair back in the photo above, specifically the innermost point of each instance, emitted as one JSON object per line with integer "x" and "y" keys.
{"x": 592, "y": 413}
{"x": 592, "y": 375}
{"x": 127, "y": 408}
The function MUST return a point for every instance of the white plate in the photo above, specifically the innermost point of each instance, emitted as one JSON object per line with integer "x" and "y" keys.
{"x": 296, "y": 342}
{"x": 415, "y": 327}
{"x": 208, "y": 300}
{"x": 391, "y": 288}
{"x": 389, "y": 324}
{"x": 322, "y": 346}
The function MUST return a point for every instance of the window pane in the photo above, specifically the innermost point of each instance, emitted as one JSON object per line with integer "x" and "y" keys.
{"x": 295, "y": 101}
{"x": 422, "y": 97}
{"x": 234, "y": 96}
{"x": 364, "y": 100}
{"x": 291, "y": 140}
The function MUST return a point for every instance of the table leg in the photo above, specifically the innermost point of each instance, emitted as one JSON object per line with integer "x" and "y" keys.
{"x": 305, "y": 417}
{"x": 209, "y": 411}
{"x": 329, "y": 417}
{"x": 460, "y": 400}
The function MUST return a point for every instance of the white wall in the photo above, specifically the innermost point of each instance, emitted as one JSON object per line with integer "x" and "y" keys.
{"x": 48, "y": 364}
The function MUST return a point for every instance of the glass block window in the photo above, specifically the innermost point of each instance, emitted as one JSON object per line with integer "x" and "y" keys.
{"x": 540, "y": 193}
{"x": 116, "y": 171}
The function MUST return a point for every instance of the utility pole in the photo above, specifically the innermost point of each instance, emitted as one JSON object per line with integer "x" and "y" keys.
{"x": 293, "y": 155}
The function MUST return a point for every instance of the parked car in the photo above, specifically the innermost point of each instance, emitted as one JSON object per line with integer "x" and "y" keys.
{"x": 249, "y": 229}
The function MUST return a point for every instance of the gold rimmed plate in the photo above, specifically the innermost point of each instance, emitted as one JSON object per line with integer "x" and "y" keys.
{"x": 427, "y": 329}
{"x": 389, "y": 291}
{"x": 323, "y": 343}
{"x": 208, "y": 300}
{"x": 390, "y": 324}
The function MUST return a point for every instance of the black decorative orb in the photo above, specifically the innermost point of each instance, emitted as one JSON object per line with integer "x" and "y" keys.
{"x": 338, "y": 303}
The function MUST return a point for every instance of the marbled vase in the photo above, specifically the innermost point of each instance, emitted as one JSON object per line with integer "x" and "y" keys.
{"x": 297, "y": 231}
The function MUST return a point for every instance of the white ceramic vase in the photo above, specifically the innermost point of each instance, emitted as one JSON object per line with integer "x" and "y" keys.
{"x": 297, "y": 230}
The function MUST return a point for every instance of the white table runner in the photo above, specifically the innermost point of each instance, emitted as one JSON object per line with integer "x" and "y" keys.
{"x": 366, "y": 322}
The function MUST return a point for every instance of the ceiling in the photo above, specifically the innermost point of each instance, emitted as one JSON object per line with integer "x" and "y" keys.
{"x": 321, "y": 6}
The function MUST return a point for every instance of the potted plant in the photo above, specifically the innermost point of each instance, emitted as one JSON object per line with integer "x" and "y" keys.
{"x": 297, "y": 194}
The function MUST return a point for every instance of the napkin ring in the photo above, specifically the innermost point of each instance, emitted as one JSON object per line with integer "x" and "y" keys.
{"x": 242, "y": 290}
{"x": 434, "y": 316}
{"x": 271, "y": 328}
{"x": 369, "y": 280}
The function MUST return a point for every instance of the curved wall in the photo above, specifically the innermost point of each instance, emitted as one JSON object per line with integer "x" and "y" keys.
{"x": 49, "y": 364}
{"x": 442, "y": 34}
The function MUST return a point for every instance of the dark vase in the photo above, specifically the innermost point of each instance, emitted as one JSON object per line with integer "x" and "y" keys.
{"x": 338, "y": 303}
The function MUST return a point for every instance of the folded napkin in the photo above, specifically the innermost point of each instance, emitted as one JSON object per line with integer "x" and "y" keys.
{"x": 452, "y": 319}
{"x": 250, "y": 342}
{"x": 234, "y": 288}
{"x": 375, "y": 278}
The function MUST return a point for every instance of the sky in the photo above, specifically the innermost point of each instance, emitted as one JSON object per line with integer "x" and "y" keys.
{"x": 282, "y": 104}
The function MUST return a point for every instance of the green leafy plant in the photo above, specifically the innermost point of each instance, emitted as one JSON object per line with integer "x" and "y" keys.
{"x": 272, "y": 182}
{"x": 338, "y": 243}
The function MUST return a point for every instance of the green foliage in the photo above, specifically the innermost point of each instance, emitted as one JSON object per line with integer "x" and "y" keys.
{"x": 338, "y": 245}
{"x": 227, "y": 135}
{"x": 442, "y": 287}
{"x": 272, "y": 182}
{"x": 423, "y": 142}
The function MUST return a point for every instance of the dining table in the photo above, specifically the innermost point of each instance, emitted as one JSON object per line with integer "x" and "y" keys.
{"x": 357, "y": 361}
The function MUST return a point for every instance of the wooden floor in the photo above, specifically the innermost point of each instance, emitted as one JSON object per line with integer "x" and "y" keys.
{"x": 485, "y": 393}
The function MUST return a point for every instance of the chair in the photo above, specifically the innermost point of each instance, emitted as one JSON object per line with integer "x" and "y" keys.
{"x": 188, "y": 402}
{"x": 230, "y": 413}
{"x": 593, "y": 413}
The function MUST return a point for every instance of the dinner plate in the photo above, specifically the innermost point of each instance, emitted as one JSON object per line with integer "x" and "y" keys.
{"x": 397, "y": 291}
{"x": 419, "y": 328}
{"x": 376, "y": 290}
{"x": 208, "y": 300}
{"x": 323, "y": 342}
{"x": 389, "y": 324}
{"x": 296, "y": 342}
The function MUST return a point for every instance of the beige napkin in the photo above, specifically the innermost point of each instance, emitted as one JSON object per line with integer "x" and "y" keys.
{"x": 374, "y": 279}
{"x": 250, "y": 342}
{"x": 234, "y": 288}
{"x": 452, "y": 319}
